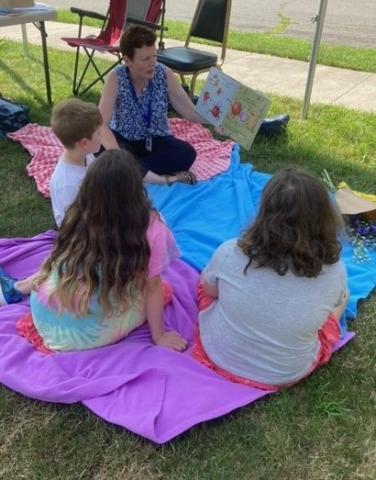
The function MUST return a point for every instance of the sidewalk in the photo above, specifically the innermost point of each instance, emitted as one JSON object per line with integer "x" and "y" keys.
{"x": 280, "y": 76}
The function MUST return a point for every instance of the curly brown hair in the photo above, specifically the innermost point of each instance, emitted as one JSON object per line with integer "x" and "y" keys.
{"x": 296, "y": 228}
{"x": 102, "y": 247}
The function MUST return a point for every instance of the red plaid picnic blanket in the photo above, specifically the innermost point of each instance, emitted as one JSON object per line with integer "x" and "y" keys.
{"x": 213, "y": 156}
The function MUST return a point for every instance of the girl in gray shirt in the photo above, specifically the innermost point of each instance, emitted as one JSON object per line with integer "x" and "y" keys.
{"x": 278, "y": 292}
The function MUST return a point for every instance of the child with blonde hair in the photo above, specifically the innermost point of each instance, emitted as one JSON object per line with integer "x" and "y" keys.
{"x": 77, "y": 124}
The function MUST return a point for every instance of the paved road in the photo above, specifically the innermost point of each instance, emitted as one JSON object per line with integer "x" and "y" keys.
{"x": 348, "y": 22}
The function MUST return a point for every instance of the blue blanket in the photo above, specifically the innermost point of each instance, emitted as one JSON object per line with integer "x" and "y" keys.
{"x": 205, "y": 215}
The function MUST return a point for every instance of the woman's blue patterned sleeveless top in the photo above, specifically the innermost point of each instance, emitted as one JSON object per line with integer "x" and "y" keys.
{"x": 127, "y": 118}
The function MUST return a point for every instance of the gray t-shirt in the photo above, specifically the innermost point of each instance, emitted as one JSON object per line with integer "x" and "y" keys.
{"x": 264, "y": 326}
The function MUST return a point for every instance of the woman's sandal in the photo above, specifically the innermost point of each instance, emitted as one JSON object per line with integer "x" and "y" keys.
{"x": 187, "y": 177}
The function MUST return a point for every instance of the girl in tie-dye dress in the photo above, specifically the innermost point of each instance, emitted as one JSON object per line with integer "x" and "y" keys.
{"x": 102, "y": 279}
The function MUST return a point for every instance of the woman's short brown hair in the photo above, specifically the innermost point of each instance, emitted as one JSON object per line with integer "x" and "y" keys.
{"x": 296, "y": 228}
{"x": 136, "y": 36}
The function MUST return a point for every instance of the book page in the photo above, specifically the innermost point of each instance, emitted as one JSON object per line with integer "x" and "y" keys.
{"x": 247, "y": 111}
{"x": 216, "y": 95}
{"x": 233, "y": 108}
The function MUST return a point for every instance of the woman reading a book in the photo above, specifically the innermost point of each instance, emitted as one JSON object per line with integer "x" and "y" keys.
{"x": 134, "y": 106}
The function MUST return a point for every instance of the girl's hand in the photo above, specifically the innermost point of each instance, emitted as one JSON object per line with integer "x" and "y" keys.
{"x": 172, "y": 340}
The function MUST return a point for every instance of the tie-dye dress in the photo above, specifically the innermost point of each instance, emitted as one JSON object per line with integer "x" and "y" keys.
{"x": 66, "y": 331}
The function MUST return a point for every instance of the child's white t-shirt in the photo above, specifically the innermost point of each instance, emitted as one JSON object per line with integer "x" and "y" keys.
{"x": 65, "y": 184}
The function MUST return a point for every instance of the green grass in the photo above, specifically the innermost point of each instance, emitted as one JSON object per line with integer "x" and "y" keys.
{"x": 276, "y": 43}
{"x": 322, "y": 429}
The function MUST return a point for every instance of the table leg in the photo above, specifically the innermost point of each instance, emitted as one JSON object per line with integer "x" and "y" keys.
{"x": 43, "y": 34}
{"x": 24, "y": 39}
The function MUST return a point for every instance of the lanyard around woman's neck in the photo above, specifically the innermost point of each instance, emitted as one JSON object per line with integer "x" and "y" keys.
{"x": 146, "y": 115}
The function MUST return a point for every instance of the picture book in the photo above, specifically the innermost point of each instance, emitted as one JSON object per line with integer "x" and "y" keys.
{"x": 235, "y": 110}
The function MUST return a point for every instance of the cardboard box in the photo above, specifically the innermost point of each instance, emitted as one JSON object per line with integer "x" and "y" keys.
{"x": 16, "y": 3}
{"x": 350, "y": 203}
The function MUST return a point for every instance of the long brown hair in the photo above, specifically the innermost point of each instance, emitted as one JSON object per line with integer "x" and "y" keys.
{"x": 296, "y": 228}
{"x": 101, "y": 247}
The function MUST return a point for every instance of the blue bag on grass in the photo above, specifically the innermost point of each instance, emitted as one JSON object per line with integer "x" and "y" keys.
{"x": 13, "y": 116}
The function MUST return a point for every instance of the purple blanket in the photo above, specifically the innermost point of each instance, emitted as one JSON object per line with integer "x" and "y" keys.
{"x": 149, "y": 390}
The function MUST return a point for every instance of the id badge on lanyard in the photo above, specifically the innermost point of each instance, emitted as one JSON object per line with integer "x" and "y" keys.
{"x": 146, "y": 116}
{"x": 149, "y": 143}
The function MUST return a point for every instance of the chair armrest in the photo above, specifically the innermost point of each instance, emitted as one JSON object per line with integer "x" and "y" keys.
{"x": 87, "y": 13}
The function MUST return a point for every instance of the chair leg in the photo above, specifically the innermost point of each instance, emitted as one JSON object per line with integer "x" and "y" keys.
{"x": 74, "y": 86}
{"x": 89, "y": 60}
{"x": 100, "y": 76}
{"x": 182, "y": 79}
{"x": 161, "y": 43}
{"x": 94, "y": 65}
{"x": 193, "y": 84}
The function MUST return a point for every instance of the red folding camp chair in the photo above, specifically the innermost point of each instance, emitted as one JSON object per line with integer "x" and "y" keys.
{"x": 120, "y": 13}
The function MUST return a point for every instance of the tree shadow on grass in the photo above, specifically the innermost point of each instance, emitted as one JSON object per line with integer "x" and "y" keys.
{"x": 22, "y": 83}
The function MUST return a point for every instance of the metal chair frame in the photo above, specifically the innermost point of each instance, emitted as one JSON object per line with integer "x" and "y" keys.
{"x": 195, "y": 73}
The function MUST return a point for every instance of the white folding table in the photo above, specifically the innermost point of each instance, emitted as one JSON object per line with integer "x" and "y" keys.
{"x": 36, "y": 15}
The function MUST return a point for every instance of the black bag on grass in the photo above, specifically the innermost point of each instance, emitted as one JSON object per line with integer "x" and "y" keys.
{"x": 13, "y": 116}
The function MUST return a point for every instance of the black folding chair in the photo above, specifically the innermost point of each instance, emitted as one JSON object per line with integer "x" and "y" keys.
{"x": 210, "y": 22}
